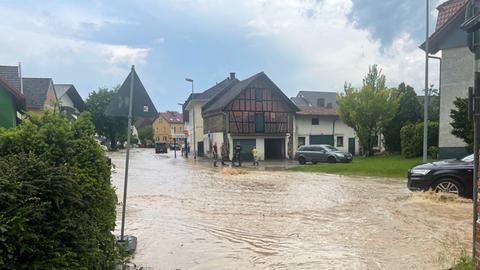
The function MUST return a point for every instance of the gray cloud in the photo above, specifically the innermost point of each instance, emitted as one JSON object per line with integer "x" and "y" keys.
{"x": 386, "y": 19}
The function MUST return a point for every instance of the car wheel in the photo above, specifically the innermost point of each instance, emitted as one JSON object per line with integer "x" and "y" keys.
{"x": 331, "y": 159}
{"x": 449, "y": 186}
{"x": 301, "y": 160}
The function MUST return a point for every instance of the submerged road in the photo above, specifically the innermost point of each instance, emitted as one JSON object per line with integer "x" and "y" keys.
{"x": 189, "y": 215}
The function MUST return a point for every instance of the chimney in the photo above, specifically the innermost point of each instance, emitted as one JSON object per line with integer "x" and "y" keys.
{"x": 20, "y": 76}
{"x": 232, "y": 75}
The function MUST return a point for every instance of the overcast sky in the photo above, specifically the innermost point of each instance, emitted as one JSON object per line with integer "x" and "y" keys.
{"x": 299, "y": 44}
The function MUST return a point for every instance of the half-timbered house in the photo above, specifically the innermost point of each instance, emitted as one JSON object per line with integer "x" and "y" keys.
{"x": 252, "y": 112}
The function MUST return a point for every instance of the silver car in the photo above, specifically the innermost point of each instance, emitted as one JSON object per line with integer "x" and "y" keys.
{"x": 321, "y": 153}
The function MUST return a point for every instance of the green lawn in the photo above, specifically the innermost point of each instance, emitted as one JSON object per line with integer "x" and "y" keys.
{"x": 385, "y": 166}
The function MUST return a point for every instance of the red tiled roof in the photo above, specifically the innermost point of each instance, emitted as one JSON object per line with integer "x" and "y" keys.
{"x": 172, "y": 117}
{"x": 447, "y": 10}
{"x": 19, "y": 97}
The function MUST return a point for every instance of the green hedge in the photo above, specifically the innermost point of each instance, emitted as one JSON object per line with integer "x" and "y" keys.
{"x": 57, "y": 204}
{"x": 411, "y": 137}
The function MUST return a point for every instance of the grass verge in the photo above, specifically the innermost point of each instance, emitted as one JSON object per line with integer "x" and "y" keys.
{"x": 464, "y": 263}
{"x": 383, "y": 166}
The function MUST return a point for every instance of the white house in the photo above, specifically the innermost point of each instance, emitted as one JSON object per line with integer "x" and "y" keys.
{"x": 317, "y": 122}
{"x": 456, "y": 70}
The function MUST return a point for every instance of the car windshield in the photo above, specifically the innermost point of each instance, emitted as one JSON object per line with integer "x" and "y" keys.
{"x": 330, "y": 148}
{"x": 468, "y": 158}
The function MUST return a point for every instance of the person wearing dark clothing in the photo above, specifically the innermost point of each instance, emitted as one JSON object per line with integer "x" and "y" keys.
{"x": 215, "y": 155}
{"x": 223, "y": 151}
{"x": 236, "y": 155}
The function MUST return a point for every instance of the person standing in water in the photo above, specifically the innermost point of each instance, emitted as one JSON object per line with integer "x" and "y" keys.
{"x": 255, "y": 156}
{"x": 215, "y": 155}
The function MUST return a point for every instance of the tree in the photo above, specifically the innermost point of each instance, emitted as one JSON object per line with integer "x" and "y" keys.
{"x": 462, "y": 127}
{"x": 409, "y": 111}
{"x": 109, "y": 126}
{"x": 145, "y": 133}
{"x": 57, "y": 203}
{"x": 368, "y": 110}
{"x": 412, "y": 138}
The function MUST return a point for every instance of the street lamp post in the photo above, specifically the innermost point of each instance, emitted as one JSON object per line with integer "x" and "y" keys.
{"x": 194, "y": 127}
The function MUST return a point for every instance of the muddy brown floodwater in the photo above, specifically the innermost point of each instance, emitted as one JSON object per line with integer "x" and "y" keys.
{"x": 189, "y": 215}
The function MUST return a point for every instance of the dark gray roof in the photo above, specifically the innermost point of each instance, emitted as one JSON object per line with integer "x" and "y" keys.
{"x": 299, "y": 101}
{"x": 312, "y": 97}
{"x": 10, "y": 74}
{"x": 71, "y": 91}
{"x": 35, "y": 91}
{"x": 260, "y": 80}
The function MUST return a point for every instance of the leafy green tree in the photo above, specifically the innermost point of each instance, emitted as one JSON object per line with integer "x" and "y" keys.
{"x": 412, "y": 139}
{"x": 145, "y": 133}
{"x": 462, "y": 127}
{"x": 409, "y": 111}
{"x": 57, "y": 204}
{"x": 111, "y": 127}
{"x": 368, "y": 110}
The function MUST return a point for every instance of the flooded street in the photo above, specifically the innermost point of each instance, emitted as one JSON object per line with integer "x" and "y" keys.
{"x": 189, "y": 215}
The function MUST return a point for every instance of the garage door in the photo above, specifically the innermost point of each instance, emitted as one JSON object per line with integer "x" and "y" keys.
{"x": 321, "y": 139}
{"x": 274, "y": 149}
{"x": 247, "y": 145}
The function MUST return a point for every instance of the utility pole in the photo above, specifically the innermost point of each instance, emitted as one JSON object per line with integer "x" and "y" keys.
{"x": 425, "y": 99}
{"x": 471, "y": 26}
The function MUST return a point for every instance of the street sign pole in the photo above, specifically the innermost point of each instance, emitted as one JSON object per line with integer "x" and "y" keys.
{"x": 175, "y": 147}
{"x": 129, "y": 130}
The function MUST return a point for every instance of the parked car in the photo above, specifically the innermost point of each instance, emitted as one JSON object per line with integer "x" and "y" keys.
{"x": 321, "y": 153}
{"x": 161, "y": 148}
{"x": 451, "y": 176}
{"x": 175, "y": 146}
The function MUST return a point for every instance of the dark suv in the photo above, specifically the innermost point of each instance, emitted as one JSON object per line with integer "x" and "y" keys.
{"x": 321, "y": 153}
{"x": 451, "y": 176}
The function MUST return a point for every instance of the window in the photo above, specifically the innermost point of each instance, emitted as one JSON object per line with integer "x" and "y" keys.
{"x": 259, "y": 123}
{"x": 258, "y": 95}
{"x": 340, "y": 141}
{"x": 321, "y": 102}
{"x": 301, "y": 141}
{"x": 314, "y": 121}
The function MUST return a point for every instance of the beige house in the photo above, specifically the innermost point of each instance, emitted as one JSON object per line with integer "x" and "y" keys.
{"x": 39, "y": 94}
{"x": 167, "y": 124}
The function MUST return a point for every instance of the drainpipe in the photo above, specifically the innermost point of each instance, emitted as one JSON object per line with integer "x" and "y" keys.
{"x": 20, "y": 76}
{"x": 333, "y": 132}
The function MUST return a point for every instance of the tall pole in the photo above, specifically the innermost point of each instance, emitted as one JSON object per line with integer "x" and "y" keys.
{"x": 129, "y": 128}
{"x": 194, "y": 127}
{"x": 425, "y": 100}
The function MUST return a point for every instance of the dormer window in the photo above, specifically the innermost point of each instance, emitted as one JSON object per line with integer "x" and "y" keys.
{"x": 321, "y": 102}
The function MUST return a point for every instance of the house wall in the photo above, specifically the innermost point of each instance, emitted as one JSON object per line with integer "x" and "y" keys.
{"x": 195, "y": 107}
{"x": 51, "y": 99}
{"x": 456, "y": 76}
{"x": 66, "y": 101}
{"x": 162, "y": 130}
{"x": 7, "y": 110}
{"x": 304, "y": 128}
{"x": 214, "y": 123}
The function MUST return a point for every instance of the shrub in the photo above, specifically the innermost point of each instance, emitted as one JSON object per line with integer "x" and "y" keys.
{"x": 411, "y": 136}
{"x": 433, "y": 152}
{"x": 57, "y": 204}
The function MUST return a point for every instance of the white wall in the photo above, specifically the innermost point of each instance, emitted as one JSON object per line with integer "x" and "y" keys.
{"x": 304, "y": 128}
{"x": 66, "y": 101}
{"x": 195, "y": 107}
{"x": 456, "y": 76}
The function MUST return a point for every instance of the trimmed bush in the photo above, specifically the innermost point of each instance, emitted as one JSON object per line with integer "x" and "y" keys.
{"x": 57, "y": 204}
{"x": 411, "y": 136}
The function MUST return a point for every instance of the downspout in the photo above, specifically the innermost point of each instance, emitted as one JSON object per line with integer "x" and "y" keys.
{"x": 20, "y": 76}
{"x": 333, "y": 132}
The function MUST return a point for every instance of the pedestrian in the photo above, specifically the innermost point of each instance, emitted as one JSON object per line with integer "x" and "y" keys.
{"x": 224, "y": 153}
{"x": 215, "y": 155}
{"x": 255, "y": 156}
{"x": 236, "y": 155}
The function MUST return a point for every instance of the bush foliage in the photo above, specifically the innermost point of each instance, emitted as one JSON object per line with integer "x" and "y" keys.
{"x": 411, "y": 136}
{"x": 57, "y": 204}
